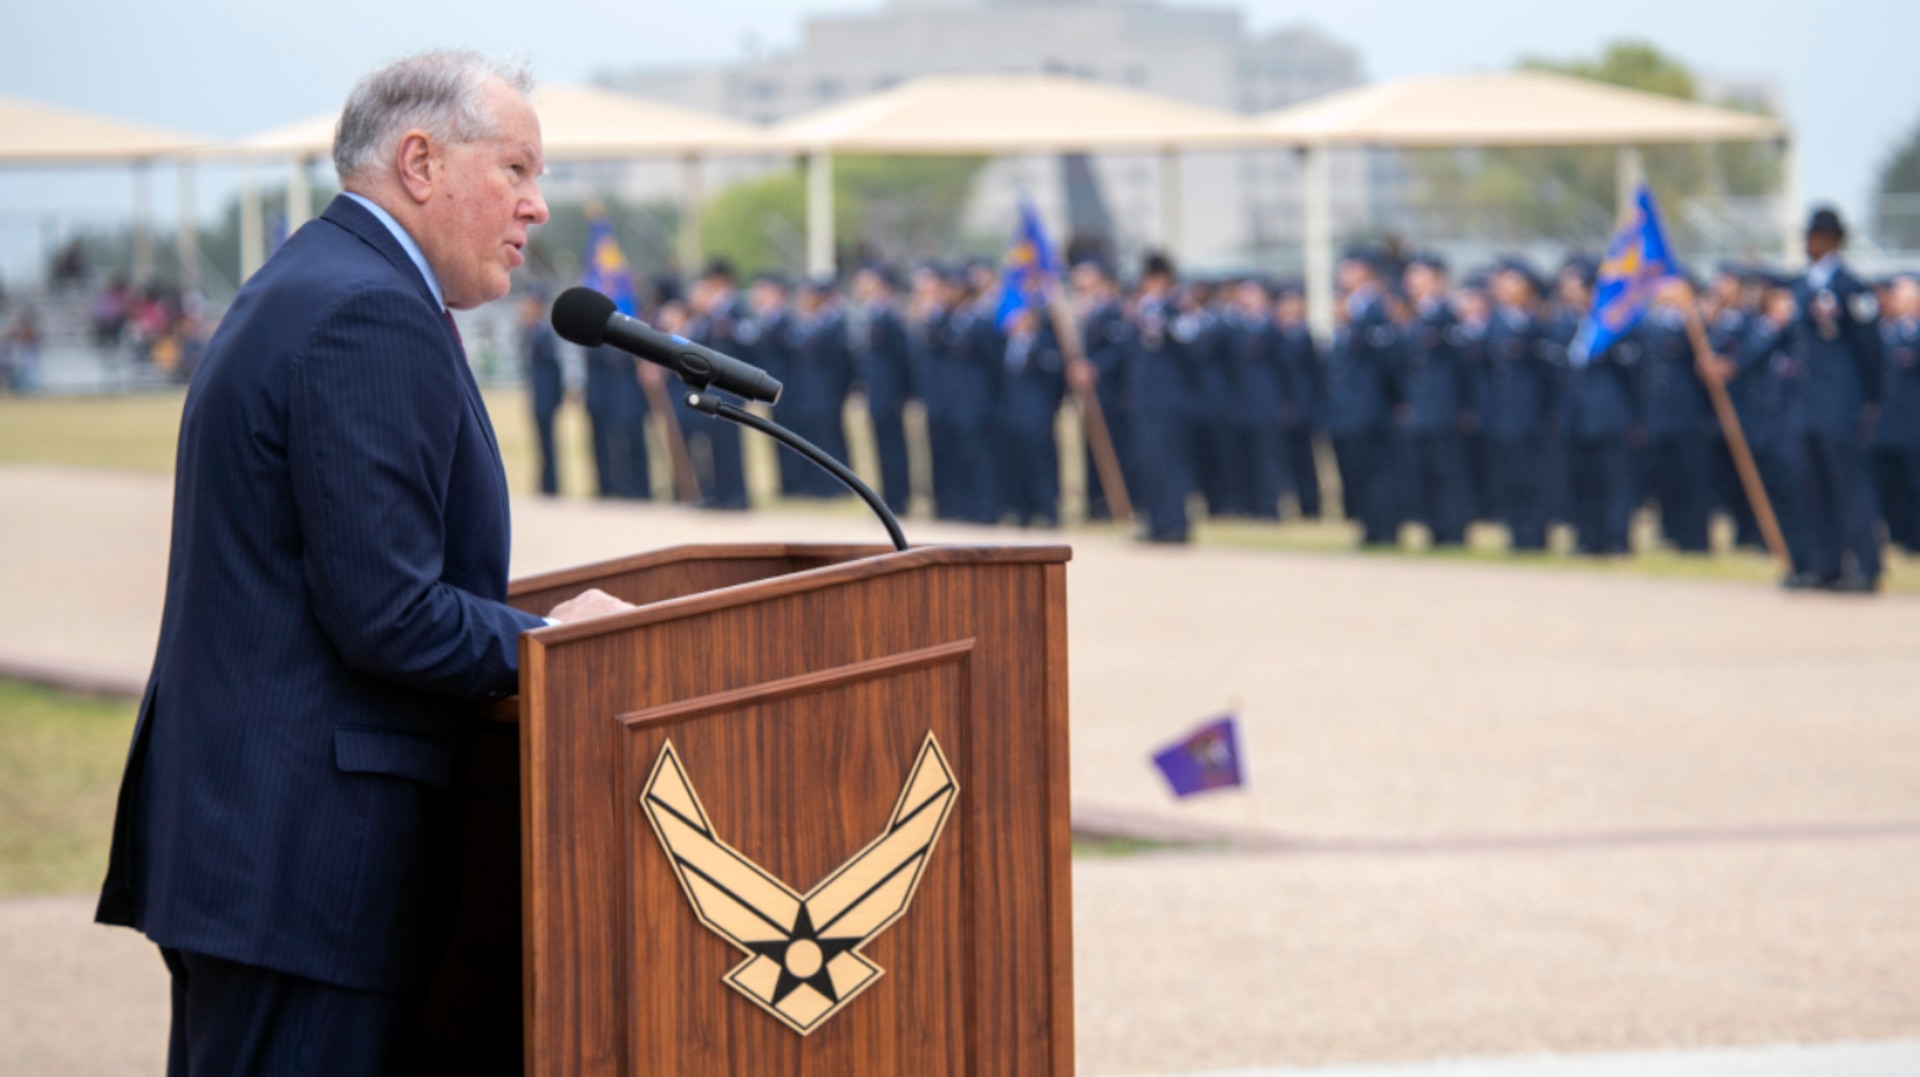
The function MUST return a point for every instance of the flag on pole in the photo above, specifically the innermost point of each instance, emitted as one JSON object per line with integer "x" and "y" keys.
{"x": 607, "y": 271}
{"x": 1637, "y": 261}
{"x": 1206, "y": 758}
{"x": 1030, "y": 268}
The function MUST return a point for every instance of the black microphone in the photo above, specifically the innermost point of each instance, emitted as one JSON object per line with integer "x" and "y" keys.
{"x": 589, "y": 319}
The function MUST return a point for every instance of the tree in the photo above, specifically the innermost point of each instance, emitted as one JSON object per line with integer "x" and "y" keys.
{"x": 888, "y": 208}
{"x": 1569, "y": 193}
{"x": 1896, "y": 203}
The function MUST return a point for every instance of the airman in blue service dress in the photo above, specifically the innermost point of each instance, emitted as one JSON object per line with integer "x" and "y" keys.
{"x": 877, "y": 336}
{"x": 1896, "y": 439}
{"x": 1261, "y": 391}
{"x": 1302, "y": 411}
{"x": 964, "y": 370}
{"x": 546, "y": 384}
{"x": 1106, "y": 337}
{"x": 1766, "y": 388}
{"x": 1360, "y": 402}
{"x": 715, "y": 443}
{"x": 1032, "y": 388}
{"x": 1435, "y": 391}
{"x": 821, "y": 379}
{"x": 1674, "y": 402}
{"x": 1161, "y": 383}
{"x": 1219, "y": 466}
{"x": 1516, "y": 407}
{"x": 1838, "y": 337}
{"x": 1728, "y": 320}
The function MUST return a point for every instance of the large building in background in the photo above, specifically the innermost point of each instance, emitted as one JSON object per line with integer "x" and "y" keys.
{"x": 1238, "y": 209}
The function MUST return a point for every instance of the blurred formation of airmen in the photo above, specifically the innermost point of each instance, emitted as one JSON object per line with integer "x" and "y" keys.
{"x": 1435, "y": 402}
{"x": 546, "y": 383}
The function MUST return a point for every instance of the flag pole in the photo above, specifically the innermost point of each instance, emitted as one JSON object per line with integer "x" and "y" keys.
{"x": 1093, "y": 421}
{"x": 1703, "y": 361}
{"x": 686, "y": 483}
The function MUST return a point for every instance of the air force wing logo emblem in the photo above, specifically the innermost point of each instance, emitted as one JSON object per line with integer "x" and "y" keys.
{"x": 803, "y": 950}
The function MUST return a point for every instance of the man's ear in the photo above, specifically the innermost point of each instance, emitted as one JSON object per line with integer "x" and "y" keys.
{"x": 419, "y": 161}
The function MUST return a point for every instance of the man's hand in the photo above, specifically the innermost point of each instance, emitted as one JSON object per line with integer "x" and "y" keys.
{"x": 587, "y": 605}
{"x": 1082, "y": 375}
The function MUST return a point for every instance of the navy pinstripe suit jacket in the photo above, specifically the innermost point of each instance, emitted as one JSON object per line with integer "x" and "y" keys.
{"x": 333, "y": 612}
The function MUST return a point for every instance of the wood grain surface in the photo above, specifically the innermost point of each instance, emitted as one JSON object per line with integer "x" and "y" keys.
{"x": 797, "y": 683}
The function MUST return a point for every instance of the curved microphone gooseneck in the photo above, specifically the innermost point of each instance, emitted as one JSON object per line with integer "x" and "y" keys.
{"x": 711, "y": 404}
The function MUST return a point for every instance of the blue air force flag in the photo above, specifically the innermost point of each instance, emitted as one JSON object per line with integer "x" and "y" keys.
{"x": 1637, "y": 261}
{"x": 1030, "y": 268}
{"x": 607, "y": 271}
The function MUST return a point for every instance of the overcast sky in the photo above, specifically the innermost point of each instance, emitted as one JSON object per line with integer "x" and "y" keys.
{"x": 230, "y": 67}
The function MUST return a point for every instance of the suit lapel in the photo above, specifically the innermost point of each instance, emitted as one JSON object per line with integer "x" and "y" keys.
{"x": 354, "y": 217}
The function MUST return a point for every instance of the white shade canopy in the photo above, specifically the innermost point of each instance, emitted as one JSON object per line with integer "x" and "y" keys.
{"x": 579, "y": 123}
{"x": 987, "y": 114}
{"x": 1515, "y": 108}
{"x": 33, "y": 133}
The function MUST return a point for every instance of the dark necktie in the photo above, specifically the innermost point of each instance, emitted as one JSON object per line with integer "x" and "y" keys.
{"x": 451, "y": 324}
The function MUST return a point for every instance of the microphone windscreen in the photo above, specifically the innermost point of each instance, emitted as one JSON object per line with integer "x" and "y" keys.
{"x": 580, "y": 316}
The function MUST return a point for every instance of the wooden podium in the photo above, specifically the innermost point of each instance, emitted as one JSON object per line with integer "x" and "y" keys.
{"x": 875, "y": 739}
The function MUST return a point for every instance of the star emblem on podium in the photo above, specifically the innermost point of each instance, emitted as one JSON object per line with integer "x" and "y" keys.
{"x": 803, "y": 950}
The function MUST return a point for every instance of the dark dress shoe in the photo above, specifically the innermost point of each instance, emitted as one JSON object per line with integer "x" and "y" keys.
{"x": 1855, "y": 583}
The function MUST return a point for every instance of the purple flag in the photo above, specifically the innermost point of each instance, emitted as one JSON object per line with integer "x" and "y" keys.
{"x": 1207, "y": 758}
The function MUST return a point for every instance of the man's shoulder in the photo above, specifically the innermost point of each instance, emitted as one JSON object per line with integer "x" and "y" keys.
{"x": 323, "y": 264}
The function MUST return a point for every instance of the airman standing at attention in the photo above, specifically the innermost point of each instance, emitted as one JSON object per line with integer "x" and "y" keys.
{"x": 1517, "y": 406}
{"x": 1838, "y": 337}
{"x": 1434, "y": 387}
{"x": 1360, "y": 400}
{"x": 1896, "y": 441}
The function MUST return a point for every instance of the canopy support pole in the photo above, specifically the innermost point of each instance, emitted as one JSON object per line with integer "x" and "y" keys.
{"x": 299, "y": 195}
{"x": 1170, "y": 203}
{"x": 142, "y": 220}
{"x": 186, "y": 234}
{"x": 252, "y": 226}
{"x": 1791, "y": 250}
{"x": 1317, "y": 203}
{"x": 1627, "y": 174}
{"x": 820, "y": 214}
{"x": 692, "y": 194}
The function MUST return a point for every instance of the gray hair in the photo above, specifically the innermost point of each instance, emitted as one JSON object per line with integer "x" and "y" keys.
{"x": 438, "y": 92}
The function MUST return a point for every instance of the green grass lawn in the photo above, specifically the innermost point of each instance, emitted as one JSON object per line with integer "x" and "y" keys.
{"x": 136, "y": 433}
{"x": 60, "y": 762}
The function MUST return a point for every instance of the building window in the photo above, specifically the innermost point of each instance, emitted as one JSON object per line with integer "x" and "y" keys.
{"x": 763, "y": 89}
{"x": 826, "y": 88}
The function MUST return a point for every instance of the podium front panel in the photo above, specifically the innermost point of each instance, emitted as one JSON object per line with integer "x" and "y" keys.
{"x": 798, "y": 709}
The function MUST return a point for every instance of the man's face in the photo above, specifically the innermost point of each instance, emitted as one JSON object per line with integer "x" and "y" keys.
{"x": 1422, "y": 282}
{"x": 488, "y": 196}
{"x": 1509, "y": 289}
{"x": 1903, "y": 299}
{"x": 1821, "y": 244}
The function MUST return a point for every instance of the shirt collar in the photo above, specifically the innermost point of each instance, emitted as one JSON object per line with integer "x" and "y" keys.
{"x": 1821, "y": 274}
{"x": 406, "y": 242}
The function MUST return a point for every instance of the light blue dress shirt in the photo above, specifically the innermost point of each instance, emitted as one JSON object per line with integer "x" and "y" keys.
{"x": 406, "y": 244}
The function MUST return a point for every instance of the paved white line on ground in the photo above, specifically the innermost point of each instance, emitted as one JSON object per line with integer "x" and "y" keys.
{"x": 1898, "y": 1058}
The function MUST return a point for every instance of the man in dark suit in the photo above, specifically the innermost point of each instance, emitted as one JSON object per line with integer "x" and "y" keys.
{"x": 334, "y": 605}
